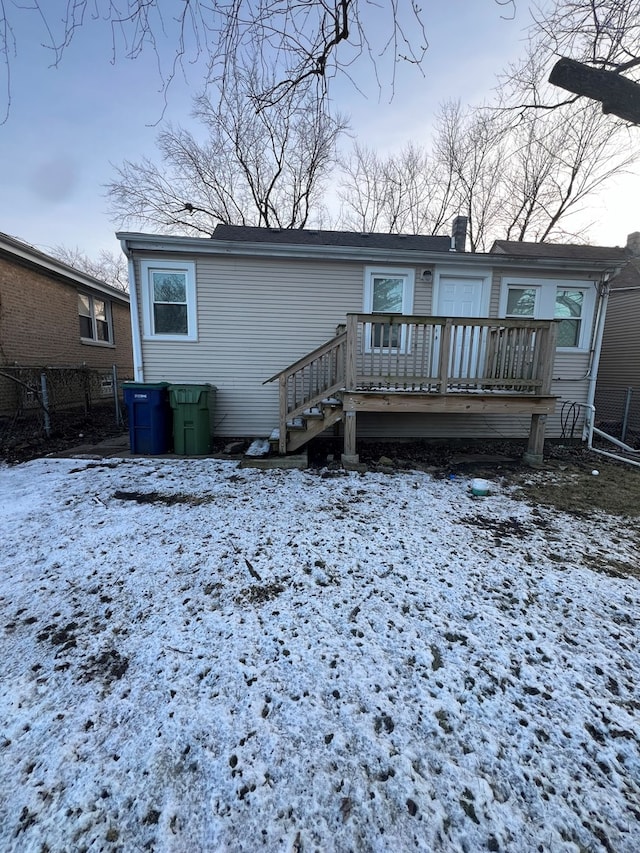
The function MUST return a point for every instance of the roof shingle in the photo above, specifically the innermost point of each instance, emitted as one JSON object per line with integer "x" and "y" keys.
{"x": 309, "y": 237}
{"x": 570, "y": 251}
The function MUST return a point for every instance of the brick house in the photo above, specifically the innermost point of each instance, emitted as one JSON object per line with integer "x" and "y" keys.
{"x": 55, "y": 317}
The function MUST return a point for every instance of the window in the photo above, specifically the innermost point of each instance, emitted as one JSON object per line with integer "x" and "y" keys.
{"x": 569, "y": 302}
{"x": 388, "y": 292}
{"x": 169, "y": 309}
{"x": 569, "y": 305}
{"x": 95, "y": 319}
{"x": 521, "y": 301}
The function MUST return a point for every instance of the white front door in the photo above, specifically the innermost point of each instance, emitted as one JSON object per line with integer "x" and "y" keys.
{"x": 459, "y": 296}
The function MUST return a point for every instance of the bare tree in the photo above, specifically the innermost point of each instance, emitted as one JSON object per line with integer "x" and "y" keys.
{"x": 515, "y": 180}
{"x": 303, "y": 43}
{"x": 558, "y": 163}
{"x": 265, "y": 167}
{"x": 420, "y": 190}
{"x": 471, "y": 152}
{"x": 110, "y": 267}
{"x": 599, "y": 46}
{"x": 603, "y": 33}
{"x": 396, "y": 193}
{"x": 591, "y": 48}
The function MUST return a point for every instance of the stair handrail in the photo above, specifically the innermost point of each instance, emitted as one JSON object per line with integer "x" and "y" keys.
{"x": 327, "y": 346}
{"x": 308, "y": 400}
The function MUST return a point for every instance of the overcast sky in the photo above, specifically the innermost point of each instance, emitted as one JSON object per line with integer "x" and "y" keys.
{"x": 67, "y": 125}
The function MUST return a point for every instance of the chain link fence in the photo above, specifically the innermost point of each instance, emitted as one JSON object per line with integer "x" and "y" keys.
{"x": 618, "y": 413}
{"x": 45, "y": 403}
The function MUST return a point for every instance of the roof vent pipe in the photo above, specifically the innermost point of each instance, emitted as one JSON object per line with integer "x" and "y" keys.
{"x": 459, "y": 233}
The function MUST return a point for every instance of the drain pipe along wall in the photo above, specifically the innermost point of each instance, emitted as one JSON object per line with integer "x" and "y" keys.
{"x": 138, "y": 367}
{"x": 603, "y": 298}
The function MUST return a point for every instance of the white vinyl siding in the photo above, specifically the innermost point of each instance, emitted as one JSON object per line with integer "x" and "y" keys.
{"x": 620, "y": 358}
{"x": 257, "y": 316}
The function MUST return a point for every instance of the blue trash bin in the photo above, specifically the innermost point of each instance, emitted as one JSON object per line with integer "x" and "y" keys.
{"x": 150, "y": 417}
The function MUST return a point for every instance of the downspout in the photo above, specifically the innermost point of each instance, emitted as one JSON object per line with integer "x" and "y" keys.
{"x": 136, "y": 342}
{"x": 603, "y": 298}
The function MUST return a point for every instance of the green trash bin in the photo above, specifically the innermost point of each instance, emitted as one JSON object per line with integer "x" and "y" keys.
{"x": 191, "y": 418}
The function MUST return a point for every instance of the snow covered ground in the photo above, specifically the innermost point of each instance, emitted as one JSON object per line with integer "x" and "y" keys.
{"x": 197, "y": 657}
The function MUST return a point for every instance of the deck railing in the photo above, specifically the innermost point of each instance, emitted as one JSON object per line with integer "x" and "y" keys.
{"x": 408, "y": 353}
{"x": 445, "y": 354}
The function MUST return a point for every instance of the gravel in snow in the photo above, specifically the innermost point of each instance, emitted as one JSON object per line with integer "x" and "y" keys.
{"x": 201, "y": 657}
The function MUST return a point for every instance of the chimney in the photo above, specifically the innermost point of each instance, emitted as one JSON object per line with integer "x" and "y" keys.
{"x": 459, "y": 234}
{"x": 633, "y": 244}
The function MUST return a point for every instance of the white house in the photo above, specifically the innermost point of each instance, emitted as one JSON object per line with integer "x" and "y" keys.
{"x": 389, "y": 335}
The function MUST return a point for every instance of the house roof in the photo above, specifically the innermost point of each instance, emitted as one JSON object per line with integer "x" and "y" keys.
{"x": 22, "y": 253}
{"x": 569, "y": 251}
{"x": 310, "y": 237}
{"x": 628, "y": 274}
{"x": 411, "y": 249}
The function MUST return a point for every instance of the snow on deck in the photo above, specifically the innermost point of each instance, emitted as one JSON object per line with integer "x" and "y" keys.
{"x": 201, "y": 658}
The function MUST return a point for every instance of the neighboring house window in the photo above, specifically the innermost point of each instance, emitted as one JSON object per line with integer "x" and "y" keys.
{"x": 569, "y": 302}
{"x": 169, "y": 300}
{"x": 388, "y": 292}
{"x": 95, "y": 319}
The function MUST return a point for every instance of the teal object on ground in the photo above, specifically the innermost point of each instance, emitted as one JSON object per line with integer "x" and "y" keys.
{"x": 192, "y": 418}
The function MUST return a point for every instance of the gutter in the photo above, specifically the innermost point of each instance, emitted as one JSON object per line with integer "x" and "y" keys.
{"x": 136, "y": 343}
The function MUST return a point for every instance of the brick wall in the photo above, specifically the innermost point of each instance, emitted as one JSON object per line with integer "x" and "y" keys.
{"x": 39, "y": 327}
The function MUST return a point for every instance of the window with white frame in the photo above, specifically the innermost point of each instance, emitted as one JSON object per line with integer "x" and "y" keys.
{"x": 388, "y": 291}
{"x": 169, "y": 300}
{"x": 570, "y": 302}
{"x": 522, "y": 301}
{"x": 95, "y": 319}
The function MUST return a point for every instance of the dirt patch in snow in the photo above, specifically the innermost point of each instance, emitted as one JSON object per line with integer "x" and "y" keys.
{"x": 565, "y": 481}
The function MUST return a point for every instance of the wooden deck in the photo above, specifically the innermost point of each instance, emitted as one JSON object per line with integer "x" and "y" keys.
{"x": 406, "y": 363}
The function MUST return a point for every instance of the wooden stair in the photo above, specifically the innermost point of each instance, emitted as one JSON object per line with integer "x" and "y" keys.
{"x": 309, "y": 424}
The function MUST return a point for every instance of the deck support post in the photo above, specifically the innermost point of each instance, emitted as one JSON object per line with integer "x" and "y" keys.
{"x": 534, "y": 454}
{"x": 350, "y": 457}
{"x": 282, "y": 439}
